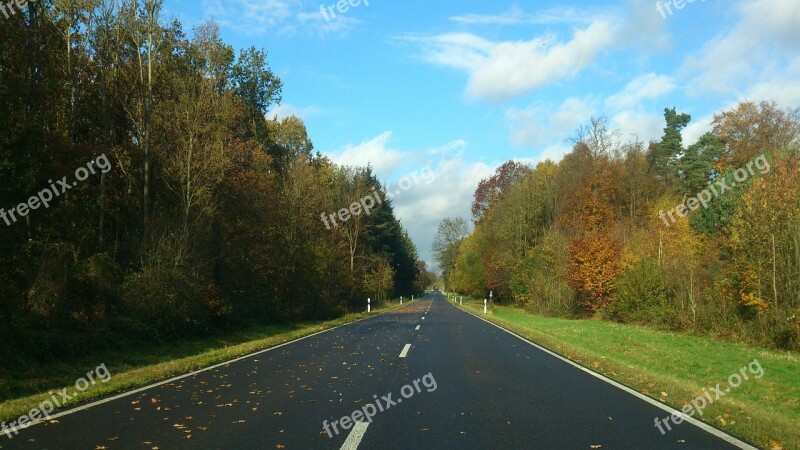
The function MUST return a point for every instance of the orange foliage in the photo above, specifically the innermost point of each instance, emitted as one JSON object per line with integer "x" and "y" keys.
{"x": 595, "y": 264}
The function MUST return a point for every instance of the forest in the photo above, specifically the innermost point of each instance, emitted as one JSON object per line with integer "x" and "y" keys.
{"x": 194, "y": 210}
{"x": 701, "y": 237}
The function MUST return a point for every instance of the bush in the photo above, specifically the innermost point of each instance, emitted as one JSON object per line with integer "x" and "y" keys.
{"x": 540, "y": 281}
{"x": 642, "y": 296}
{"x": 167, "y": 302}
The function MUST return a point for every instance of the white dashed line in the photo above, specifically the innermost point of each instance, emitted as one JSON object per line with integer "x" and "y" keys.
{"x": 355, "y": 436}
{"x": 405, "y": 350}
{"x": 417, "y": 329}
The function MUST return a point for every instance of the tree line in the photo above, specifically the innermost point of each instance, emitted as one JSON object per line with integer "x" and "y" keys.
{"x": 703, "y": 238}
{"x": 209, "y": 215}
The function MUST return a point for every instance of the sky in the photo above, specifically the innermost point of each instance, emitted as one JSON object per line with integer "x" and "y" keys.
{"x": 457, "y": 88}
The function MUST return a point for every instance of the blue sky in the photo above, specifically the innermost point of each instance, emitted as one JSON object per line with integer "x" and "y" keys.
{"x": 462, "y": 87}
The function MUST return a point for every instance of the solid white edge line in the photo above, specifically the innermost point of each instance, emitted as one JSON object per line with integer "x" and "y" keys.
{"x": 355, "y": 436}
{"x": 405, "y": 350}
{"x": 702, "y": 425}
{"x": 181, "y": 377}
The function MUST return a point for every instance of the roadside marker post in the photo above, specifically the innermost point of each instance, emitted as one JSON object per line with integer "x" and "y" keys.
{"x": 461, "y": 301}
{"x": 401, "y": 299}
{"x": 369, "y": 307}
{"x": 484, "y": 306}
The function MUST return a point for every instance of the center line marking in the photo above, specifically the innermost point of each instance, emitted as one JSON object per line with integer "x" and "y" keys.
{"x": 405, "y": 350}
{"x": 423, "y": 317}
{"x": 355, "y": 436}
{"x": 416, "y": 328}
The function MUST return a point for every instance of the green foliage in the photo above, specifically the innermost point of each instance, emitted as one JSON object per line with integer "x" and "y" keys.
{"x": 642, "y": 295}
{"x": 210, "y": 214}
{"x": 540, "y": 281}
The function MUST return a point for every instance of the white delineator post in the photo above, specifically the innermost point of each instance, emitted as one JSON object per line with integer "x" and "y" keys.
{"x": 369, "y": 307}
{"x": 461, "y": 301}
{"x": 484, "y": 306}
{"x": 401, "y": 299}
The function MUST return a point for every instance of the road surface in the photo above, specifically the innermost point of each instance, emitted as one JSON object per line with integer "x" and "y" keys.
{"x": 477, "y": 386}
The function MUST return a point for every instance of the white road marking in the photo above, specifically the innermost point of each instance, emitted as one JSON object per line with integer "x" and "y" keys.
{"x": 417, "y": 329}
{"x": 355, "y": 436}
{"x": 423, "y": 317}
{"x": 405, "y": 350}
{"x": 702, "y": 425}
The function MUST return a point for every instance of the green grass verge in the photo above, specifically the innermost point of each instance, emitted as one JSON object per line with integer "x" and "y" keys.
{"x": 143, "y": 366}
{"x": 674, "y": 368}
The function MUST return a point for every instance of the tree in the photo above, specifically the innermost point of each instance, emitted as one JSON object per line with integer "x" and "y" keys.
{"x": 449, "y": 236}
{"x": 751, "y": 129}
{"x": 491, "y": 189}
{"x": 663, "y": 156}
{"x": 699, "y": 163}
{"x": 597, "y": 137}
{"x": 257, "y": 86}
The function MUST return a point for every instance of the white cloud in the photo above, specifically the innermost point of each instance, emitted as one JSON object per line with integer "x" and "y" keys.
{"x": 637, "y": 125}
{"x": 285, "y": 110}
{"x": 502, "y": 70}
{"x": 374, "y": 152}
{"x": 458, "y": 144}
{"x": 696, "y": 129}
{"x": 315, "y": 23}
{"x": 252, "y": 17}
{"x": 423, "y": 207}
{"x": 538, "y": 125}
{"x": 645, "y": 87}
{"x": 517, "y": 16}
{"x": 287, "y": 17}
{"x": 761, "y": 46}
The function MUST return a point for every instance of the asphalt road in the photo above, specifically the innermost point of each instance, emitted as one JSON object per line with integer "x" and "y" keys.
{"x": 476, "y": 387}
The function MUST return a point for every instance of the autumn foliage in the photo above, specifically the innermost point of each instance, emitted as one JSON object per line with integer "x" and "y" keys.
{"x": 587, "y": 235}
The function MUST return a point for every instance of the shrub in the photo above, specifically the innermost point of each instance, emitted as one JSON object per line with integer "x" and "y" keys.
{"x": 642, "y": 295}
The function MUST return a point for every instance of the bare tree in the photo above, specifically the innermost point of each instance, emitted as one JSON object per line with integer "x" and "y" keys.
{"x": 598, "y": 137}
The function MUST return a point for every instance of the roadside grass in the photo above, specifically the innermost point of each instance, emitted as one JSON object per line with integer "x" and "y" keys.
{"x": 674, "y": 368}
{"x": 131, "y": 369}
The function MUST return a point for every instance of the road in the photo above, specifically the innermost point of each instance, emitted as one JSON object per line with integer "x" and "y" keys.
{"x": 477, "y": 386}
